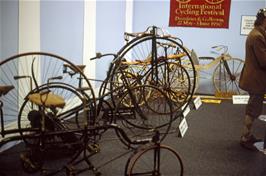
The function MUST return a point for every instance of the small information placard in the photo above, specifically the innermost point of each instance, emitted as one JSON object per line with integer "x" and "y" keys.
{"x": 240, "y": 99}
{"x": 183, "y": 127}
{"x": 247, "y": 24}
{"x": 186, "y": 110}
{"x": 197, "y": 102}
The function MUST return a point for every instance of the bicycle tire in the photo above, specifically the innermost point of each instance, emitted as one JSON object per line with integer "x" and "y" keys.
{"x": 41, "y": 66}
{"x": 174, "y": 80}
{"x": 140, "y": 121}
{"x": 67, "y": 118}
{"x": 140, "y": 48}
{"x": 155, "y": 160}
{"x": 225, "y": 83}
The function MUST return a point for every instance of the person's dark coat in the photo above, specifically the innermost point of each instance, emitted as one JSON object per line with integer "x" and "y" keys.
{"x": 253, "y": 76}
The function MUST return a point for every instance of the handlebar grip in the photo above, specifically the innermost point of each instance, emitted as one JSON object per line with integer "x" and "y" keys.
{"x": 20, "y": 77}
{"x": 137, "y": 34}
{"x": 98, "y": 55}
{"x": 56, "y": 77}
{"x": 170, "y": 36}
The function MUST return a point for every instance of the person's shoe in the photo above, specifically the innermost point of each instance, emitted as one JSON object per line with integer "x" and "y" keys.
{"x": 249, "y": 143}
{"x": 253, "y": 139}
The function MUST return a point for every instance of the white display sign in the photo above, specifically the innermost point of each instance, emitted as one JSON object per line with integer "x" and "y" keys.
{"x": 197, "y": 102}
{"x": 247, "y": 24}
{"x": 240, "y": 99}
{"x": 186, "y": 111}
{"x": 262, "y": 117}
{"x": 183, "y": 126}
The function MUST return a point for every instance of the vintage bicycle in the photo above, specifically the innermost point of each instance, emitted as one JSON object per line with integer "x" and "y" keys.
{"x": 226, "y": 73}
{"x": 136, "y": 107}
{"x": 49, "y": 116}
{"x": 150, "y": 57}
{"x": 37, "y": 106}
{"x": 55, "y": 106}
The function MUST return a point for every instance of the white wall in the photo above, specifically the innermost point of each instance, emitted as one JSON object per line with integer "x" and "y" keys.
{"x": 9, "y": 28}
{"x": 110, "y": 27}
{"x": 0, "y": 30}
{"x": 61, "y": 28}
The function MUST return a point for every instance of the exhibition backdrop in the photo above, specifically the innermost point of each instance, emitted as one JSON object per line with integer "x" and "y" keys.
{"x": 78, "y": 29}
{"x": 200, "y": 13}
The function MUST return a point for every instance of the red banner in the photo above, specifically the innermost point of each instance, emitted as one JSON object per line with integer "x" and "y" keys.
{"x": 200, "y": 13}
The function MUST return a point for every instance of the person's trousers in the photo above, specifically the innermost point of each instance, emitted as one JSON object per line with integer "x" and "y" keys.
{"x": 255, "y": 104}
{"x": 253, "y": 110}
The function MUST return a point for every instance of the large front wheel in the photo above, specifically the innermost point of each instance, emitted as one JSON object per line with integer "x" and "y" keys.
{"x": 155, "y": 160}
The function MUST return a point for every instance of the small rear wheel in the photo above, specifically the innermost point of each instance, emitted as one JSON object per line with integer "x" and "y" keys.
{"x": 155, "y": 160}
{"x": 226, "y": 83}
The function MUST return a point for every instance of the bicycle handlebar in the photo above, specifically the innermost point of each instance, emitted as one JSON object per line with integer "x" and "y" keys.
{"x": 136, "y": 34}
{"x": 141, "y": 34}
{"x": 21, "y": 77}
{"x": 100, "y": 55}
{"x": 56, "y": 77}
{"x": 220, "y": 47}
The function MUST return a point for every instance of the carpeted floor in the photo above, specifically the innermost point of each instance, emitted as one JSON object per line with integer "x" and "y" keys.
{"x": 210, "y": 147}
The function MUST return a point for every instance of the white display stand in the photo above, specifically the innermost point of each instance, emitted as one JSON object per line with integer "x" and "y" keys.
{"x": 185, "y": 111}
{"x": 240, "y": 99}
{"x": 183, "y": 127}
{"x": 197, "y": 102}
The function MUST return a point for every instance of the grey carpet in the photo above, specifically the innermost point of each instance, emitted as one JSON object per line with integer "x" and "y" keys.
{"x": 209, "y": 148}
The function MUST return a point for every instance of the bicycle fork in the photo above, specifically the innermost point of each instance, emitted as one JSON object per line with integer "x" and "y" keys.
{"x": 232, "y": 77}
{"x": 156, "y": 167}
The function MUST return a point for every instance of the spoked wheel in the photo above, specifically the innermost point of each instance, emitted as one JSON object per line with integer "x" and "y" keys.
{"x": 59, "y": 141}
{"x": 140, "y": 120}
{"x": 35, "y": 75}
{"x": 174, "y": 80}
{"x": 28, "y": 71}
{"x": 153, "y": 50}
{"x": 63, "y": 116}
{"x": 118, "y": 85}
{"x": 104, "y": 112}
{"x": 155, "y": 160}
{"x": 223, "y": 81}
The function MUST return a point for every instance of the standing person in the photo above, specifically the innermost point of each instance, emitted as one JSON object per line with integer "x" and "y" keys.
{"x": 253, "y": 77}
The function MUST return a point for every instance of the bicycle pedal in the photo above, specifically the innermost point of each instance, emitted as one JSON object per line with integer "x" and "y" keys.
{"x": 96, "y": 172}
{"x": 29, "y": 165}
{"x": 26, "y": 160}
{"x": 70, "y": 171}
{"x": 94, "y": 148}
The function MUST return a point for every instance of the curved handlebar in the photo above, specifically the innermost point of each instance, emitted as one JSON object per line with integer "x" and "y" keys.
{"x": 56, "y": 77}
{"x": 136, "y": 34}
{"x": 100, "y": 55}
{"x": 221, "y": 47}
{"x": 152, "y": 30}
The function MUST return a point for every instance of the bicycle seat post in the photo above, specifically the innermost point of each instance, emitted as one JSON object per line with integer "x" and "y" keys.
{"x": 156, "y": 137}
